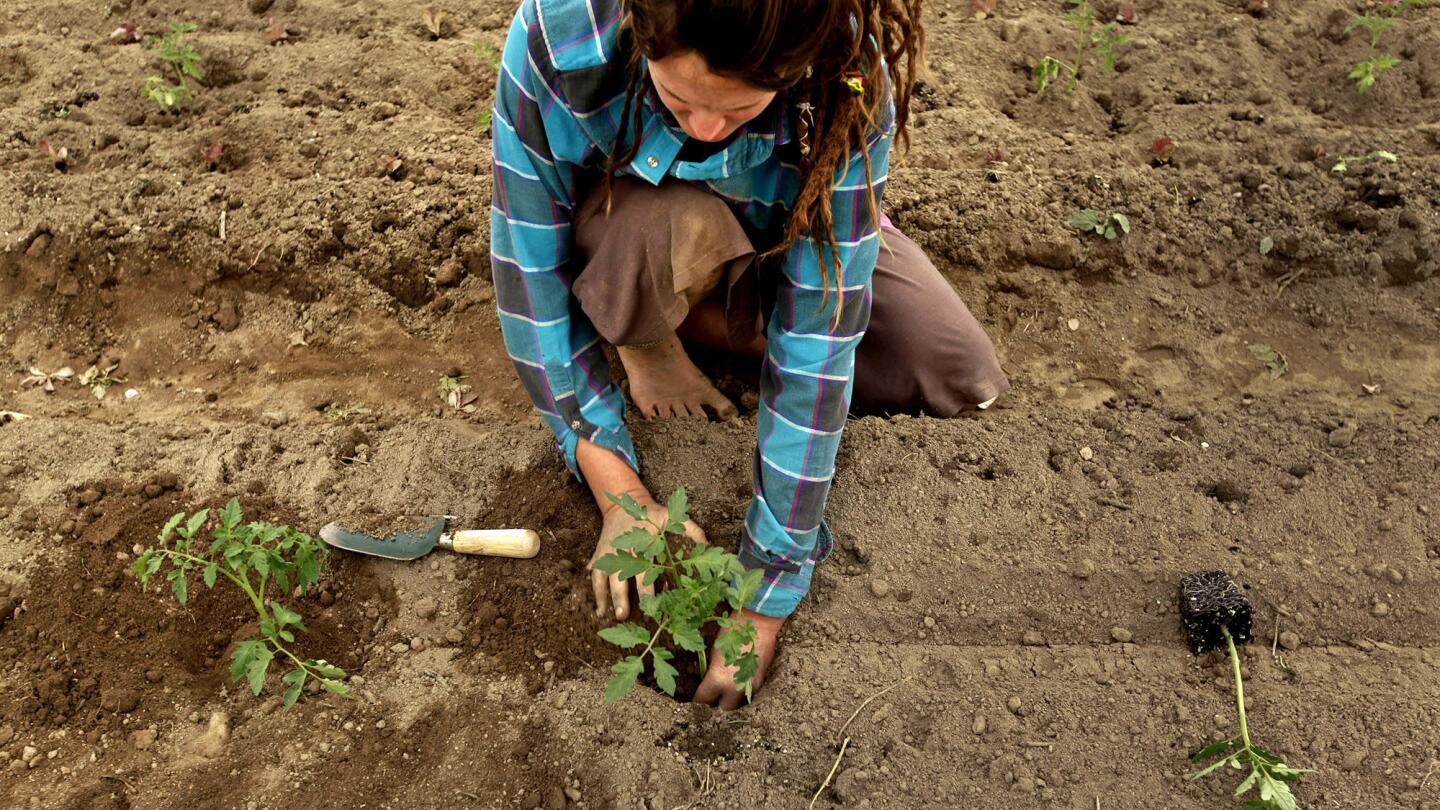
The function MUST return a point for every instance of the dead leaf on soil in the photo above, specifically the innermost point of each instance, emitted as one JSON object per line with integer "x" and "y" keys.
{"x": 1274, "y": 360}
{"x": 434, "y": 20}
{"x": 1370, "y": 390}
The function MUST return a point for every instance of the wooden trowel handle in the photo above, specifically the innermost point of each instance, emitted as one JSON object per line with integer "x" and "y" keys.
{"x": 519, "y": 543}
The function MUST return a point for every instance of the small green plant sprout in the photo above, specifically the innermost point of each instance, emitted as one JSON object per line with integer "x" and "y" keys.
{"x": 1216, "y": 615}
{"x": 183, "y": 60}
{"x": 456, "y": 392}
{"x": 1376, "y": 23}
{"x": 1275, "y": 363}
{"x": 1109, "y": 224}
{"x": 256, "y": 557}
{"x": 1342, "y": 165}
{"x": 1104, "y": 39}
{"x": 698, "y": 580}
{"x": 98, "y": 380}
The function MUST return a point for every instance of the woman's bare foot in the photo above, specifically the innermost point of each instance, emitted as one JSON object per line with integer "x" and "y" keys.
{"x": 664, "y": 382}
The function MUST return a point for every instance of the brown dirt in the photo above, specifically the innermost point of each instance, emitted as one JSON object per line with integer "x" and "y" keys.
{"x": 1030, "y": 556}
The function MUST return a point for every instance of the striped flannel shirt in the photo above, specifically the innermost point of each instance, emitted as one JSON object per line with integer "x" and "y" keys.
{"x": 557, "y": 107}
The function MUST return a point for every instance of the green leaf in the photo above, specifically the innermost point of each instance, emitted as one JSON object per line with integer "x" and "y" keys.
{"x": 260, "y": 562}
{"x": 630, "y": 507}
{"x": 231, "y": 515}
{"x": 179, "y": 585}
{"x": 255, "y": 672}
{"x": 620, "y": 684}
{"x": 1123, "y": 221}
{"x": 307, "y": 565}
{"x": 1219, "y": 763}
{"x": 1213, "y": 749}
{"x": 324, "y": 668}
{"x": 245, "y": 652}
{"x": 209, "y": 574}
{"x": 635, "y": 540}
{"x": 678, "y": 507}
{"x": 687, "y": 637}
{"x": 624, "y": 565}
{"x": 746, "y": 668}
{"x": 1266, "y": 245}
{"x": 1248, "y": 783}
{"x": 335, "y": 687}
{"x": 626, "y": 635}
{"x": 196, "y": 521}
{"x": 664, "y": 672}
{"x": 295, "y": 679}
{"x": 285, "y": 616}
{"x": 1085, "y": 220}
{"x": 170, "y": 526}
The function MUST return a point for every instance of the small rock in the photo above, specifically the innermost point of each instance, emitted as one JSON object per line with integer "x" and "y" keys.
{"x": 555, "y": 798}
{"x": 425, "y": 608}
{"x": 399, "y": 647}
{"x": 1033, "y": 638}
{"x": 211, "y": 744}
{"x": 259, "y": 6}
{"x": 1013, "y": 704}
{"x": 417, "y": 644}
{"x": 880, "y": 588}
{"x": 1343, "y": 436}
{"x": 1009, "y": 30}
{"x": 1121, "y": 635}
{"x": 7, "y": 733}
{"x": 1086, "y": 453}
{"x": 1084, "y": 570}
{"x": 1290, "y": 640}
{"x": 1380, "y": 609}
{"x": 143, "y": 739}
{"x": 979, "y": 725}
{"x": 29, "y": 752}
{"x": 1073, "y": 324}
{"x": 1353, "y": 760}
{"x": 449, "y": 273}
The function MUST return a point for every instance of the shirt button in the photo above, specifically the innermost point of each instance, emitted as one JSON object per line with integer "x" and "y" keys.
{"x": 653, "y": 162}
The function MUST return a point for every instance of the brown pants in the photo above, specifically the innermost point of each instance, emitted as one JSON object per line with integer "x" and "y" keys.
{"x": 660, "y": 250}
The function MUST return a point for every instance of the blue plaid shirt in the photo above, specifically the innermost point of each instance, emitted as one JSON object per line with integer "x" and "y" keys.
{"x": 557, "y": 107}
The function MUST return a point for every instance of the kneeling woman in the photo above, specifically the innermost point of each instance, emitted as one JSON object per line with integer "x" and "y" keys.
{"x": 712, "y": 170}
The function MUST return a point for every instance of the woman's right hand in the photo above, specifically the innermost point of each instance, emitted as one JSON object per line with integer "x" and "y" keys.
{"x": 611, "y": 592}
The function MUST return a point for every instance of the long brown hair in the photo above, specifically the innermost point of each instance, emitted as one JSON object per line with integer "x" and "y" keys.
{"x": 812, "y": 45}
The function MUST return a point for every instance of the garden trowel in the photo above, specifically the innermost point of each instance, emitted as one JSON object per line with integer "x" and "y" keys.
{"x": 519, "y": 543}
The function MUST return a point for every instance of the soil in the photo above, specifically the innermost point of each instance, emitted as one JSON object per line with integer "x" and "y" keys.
{"x": 1005, "y": 583}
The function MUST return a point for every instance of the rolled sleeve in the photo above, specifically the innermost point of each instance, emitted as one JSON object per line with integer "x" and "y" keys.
{"x": 805, "y": 390}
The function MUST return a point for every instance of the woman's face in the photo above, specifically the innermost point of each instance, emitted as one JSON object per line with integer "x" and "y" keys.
{"x": 709, "y": 107}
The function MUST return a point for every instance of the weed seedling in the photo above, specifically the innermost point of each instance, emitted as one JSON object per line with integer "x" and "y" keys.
{"x": 125, "y": 34}
{"x": 256, "y": 557}
{"x": 698, "y": 580}
{"x": 1108, "y": 225}
{"x": 98, "y": 380}
{"x": 456, "y": 392}
{"x": 1104, "y": 40}
{"x": 183, "y": 60}
{"x": 1343, "y": 164}
{"x": 58, "y": 155}
{"x": 1376, "y": 23}
{"x": 46, "y": 381}
{"x": 1216, "y": 613}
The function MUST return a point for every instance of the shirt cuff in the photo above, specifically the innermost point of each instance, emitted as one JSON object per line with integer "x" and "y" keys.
{"x": 784, "y": 584}
{"x": 567, "y": 439}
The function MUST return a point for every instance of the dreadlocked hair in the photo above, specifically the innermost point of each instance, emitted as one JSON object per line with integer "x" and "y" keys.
{"x": 806, "y": 47}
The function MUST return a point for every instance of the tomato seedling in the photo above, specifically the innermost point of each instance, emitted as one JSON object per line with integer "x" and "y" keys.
{"x": 183, "y": 59}
{"x": 1376, "y": 23}
{"x": 1104, "y": 40}
{"x": 254, "y": 557}
{"x": 697, "y": 580}
{"x": 1216, "y": 612}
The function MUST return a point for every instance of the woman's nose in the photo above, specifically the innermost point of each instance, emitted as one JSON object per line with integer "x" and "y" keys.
{"x": 707, "y": 127}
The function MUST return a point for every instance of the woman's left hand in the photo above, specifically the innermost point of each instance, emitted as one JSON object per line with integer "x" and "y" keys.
{"x": 718, "y": 688}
